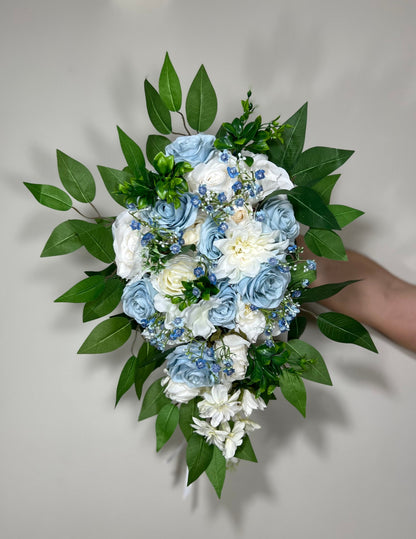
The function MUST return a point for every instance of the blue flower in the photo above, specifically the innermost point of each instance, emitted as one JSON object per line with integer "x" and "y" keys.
{"x": 232, "y": 172}
{"x": 175, "y": 219}
{"x": 266, "y": 290}
{"x": 224, "y": 315}
{"x": 137, "y": 300}
{"x": 209, "y": 233}
{"x": 193, "y": 149}
{"x": 278, "y": 215}
{"x": 185, "y": 366}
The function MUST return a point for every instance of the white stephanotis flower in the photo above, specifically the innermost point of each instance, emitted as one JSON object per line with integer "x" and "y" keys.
{"x": 213, "y": 174}
{"x": 218, "y": 405}
{"x": 179, "y": 392}
{"x": 177, "y": 269}
{"x": 210, "y": 433}
{"x": 249, "y": 425}
{"x": 127, "y": 247}
{"x": 245, "y": 248}
{"x": 249, "y": 403}
{"x": 251, "y": 323}
{"x": 233, "y": 439}
{"x": 237, "y": 348}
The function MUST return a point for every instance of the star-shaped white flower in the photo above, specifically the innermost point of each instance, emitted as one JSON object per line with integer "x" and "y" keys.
{"x": 249, "y": 403}
{"x": 218, "y": 405}
{"x": 210, "y": 433}
{"x": 233, "y": 439}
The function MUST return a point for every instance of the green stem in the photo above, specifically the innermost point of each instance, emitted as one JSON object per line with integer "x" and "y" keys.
{"x": 184, "y": 123}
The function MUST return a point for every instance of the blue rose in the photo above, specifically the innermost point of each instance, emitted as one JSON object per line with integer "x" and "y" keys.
{"x": 137, "y": 300}
{"x": 191, "y": 364}
{"x": 224, "y": 315}
{"x": 278, "y": 215}
{"x": 175, "y": 219}
{"x": 193, "y": 149}
{"x": 266, "y": 290}
{"x": 209, "y": 233}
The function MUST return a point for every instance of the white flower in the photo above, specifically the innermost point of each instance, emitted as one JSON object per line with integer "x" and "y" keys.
{"x": 192, "y": 234}
{"x": 237, "y": 347}
{"x": 274, "y": 177}
{"x": 196, "y": 318}
{"x": 249, "y": 403}
{"x": 251, "y": 323}
{"x": 245, "y": 248}
{"x": 164, "y": 305}
{"x": 249, "y": 425}
{"x": 213, "y": 174}
{"x": 211, "y": 434}
{"x": 234, "y": 438}
{"x": 177, "y": 269}
{"x": 178, "y": 392}
{"x": 127, "y": 247}
{"x": 218, "y": 405}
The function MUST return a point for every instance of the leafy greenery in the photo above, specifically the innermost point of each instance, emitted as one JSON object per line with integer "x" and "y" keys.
{"x": 166, "y": 423}
{"x": 245, "y": 451}
{"x": 310, "y": 208}
{"x": 200, "y": 288}
{"x": 107, "y": 336}
{"x": 324, "y": 291}
{"x": 76, "y": 178}
{"x": 187, "y": 412}
{"x": 201, "y": 102}
{"x": 293, "y": 390}
{"x": 63, "y": 240}
{"x": 310, "y": 360}
{"x": 216, "y": 471}
{"x": 325, "y": 243}
{"x": 86, "y": 290}
{"x": 198, "y": 456}
{"x": 169, "y": 86}
{"x": 158, "y": 112}
{"x": 127, "y": 378}
{"x": 342, "y": 328}
{"x": 153, "y": 401}
{"x": 50, "y": 196}
{"x": 106, "y": 302}
{"x": 316, "y": 163}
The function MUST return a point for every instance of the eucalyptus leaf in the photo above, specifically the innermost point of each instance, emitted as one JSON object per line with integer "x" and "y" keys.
{"x": 50, "y": 196}
{"x": 245, "y": 451}
{"x": 342, "y": 328}
{"x": 97, "y": 239}
{"x": 216, "y": 470}
{"x": 201, "y": 102}
{"x": 169, "y": 86}
{"x": 198, "y": 456}
{"x": 316, "y": 163}
{"x": 310, "y": 209}
{"x": 112, "y": 178}
{"x": 86, "y": 290}
{"x": 344, "y": 214}
{"x": 133, "y": 154}
{"x": 318, "y": 293}
{"x": 316, "y": 371}
{"x": 293, "y": 390}
{"x": 126, "y": 379}
{"x": 63, "y": 240}
{"x": 166, "y": 423}
{"x": 325, "y": 186}
{"x": 106, "y": 302}
{"x": 158, "y": 112}
{"x": 107, "y": 336}
{"x": 325, "y": 243}
{"x": 154, "y": 400}
{"x": 76, "y": 178}
{"x": 154, "y": 145}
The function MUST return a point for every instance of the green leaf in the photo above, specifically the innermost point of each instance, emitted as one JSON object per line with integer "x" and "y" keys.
{"x": 245, "y": 451}
{"x": 310, "y": 209}
{"x": 62, "y": 241}
{"x": 106, "y": 302}
{"x": 97, "y": 239}
{"x": 297, "y": 327}
{"x": 344, "y": 214}
{"x": 86, "y": 290}
{"x": 166, "y": 423}
{"x": 153, "y": 401}
{"x": 126, "y": 379}
{"x": 158, "y": 112}
{"x": 316, "y": 163}
{"x": 293, "y": 390}
{"x": 285, "y": 155}
{"x": 149, "y": 359}
{"x": 318, "y": 293}
{"x": 198, "y": 456}
{"x": 50, "y": 196}
{"x": 325, "y": 243}
{"x": 201, "y": 102}
{"x": 169, "y": 86}
{"x": 317, "y": 371}
{"x": 108, "y": 270}
{"x": 324, "y": 187}
{"x": 154, "y": 145}
{"x": 216, "y": 470}
{"x": 112, "y": 178}
{"x": 341, "y": 328}
{"x": 187, "y": 412}
{"x": 76, "y": 178}
{"x": 132, "y": 154}
{"x": 107, "y": 336}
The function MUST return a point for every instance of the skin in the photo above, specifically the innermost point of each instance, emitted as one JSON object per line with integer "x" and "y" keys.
{"x": 381, "y": 300}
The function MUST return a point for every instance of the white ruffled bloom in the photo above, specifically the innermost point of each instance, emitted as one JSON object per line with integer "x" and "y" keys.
{"x": 213, "y": 174}
{"x": 249, "y": 403}
{"x": 127, "y": 247}
{"x": 196, "y": 318}
{"x": 251, "y": 323}
{"x": 245, "y": 248}
{"x": 237, "y": 347}
{"x": 178, "y": 392}
{"x": 210, "y": 433}
{"x": 164, "y": 305}
{"x": 218, "y": 405}
{"x": 177, "y": 269}
{"x": 274, "y": 177}
{"x": 233, "y": 439}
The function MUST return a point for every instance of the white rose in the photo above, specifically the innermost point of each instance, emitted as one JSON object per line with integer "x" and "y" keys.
{"x": 127, "y": 247}
{"x": 192, "y": 234}
{"x": 177, "y": 269}
{"x": 196, "y": 318}
{"x": 251, "y": 323}
{"x": 178, "y": 392}
{"x": 274, "y": 177}
{"x": 238, "y": 351}
{"x": 214, "y": 175}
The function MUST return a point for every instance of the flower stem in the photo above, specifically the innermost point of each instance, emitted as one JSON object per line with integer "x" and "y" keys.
{"x": 184, "y": 123}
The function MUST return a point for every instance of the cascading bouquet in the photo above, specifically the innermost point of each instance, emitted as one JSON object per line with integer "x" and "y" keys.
{"x": 204, "y": 260}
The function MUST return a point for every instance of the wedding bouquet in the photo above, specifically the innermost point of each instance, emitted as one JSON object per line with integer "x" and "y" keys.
{"x": 204, "y": 261}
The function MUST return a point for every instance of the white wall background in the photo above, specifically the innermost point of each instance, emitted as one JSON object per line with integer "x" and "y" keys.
{"x": 70, "y": 465}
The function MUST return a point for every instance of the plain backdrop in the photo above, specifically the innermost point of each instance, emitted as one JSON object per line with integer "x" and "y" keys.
{"x": 73, "y": 467}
